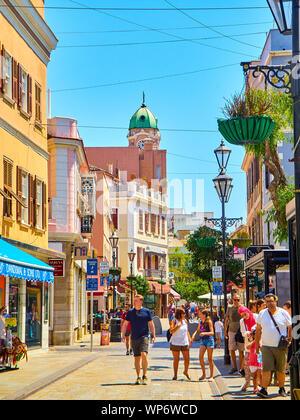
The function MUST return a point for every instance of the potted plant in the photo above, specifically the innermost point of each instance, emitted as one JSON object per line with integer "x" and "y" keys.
{"x": 241, "y": 240}
{"x": 246, "y": 120}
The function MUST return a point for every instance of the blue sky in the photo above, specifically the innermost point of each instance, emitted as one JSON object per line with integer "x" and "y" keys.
{"x": 190, "y": 101}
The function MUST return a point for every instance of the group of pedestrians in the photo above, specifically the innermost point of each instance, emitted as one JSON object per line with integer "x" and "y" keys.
{"x": 261, "y": 333}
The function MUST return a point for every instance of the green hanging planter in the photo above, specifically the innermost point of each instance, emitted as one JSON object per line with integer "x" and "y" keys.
{"x": 250, "y": 130}
{"x": 241, "y": 242}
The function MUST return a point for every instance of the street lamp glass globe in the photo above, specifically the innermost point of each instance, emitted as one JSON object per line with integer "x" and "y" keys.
{"x": 131, "y": 255}
{"x": 282, "y": 13}
{"x": 222, "y": 154}
{"x": 113, "y": 239}
{"x": 223, "y": 185}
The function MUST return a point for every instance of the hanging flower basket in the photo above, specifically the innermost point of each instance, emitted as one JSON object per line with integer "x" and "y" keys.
{"x": 115, "y": 271}
{"x": 250, "y": 130}
{"x": 241, "y": 242}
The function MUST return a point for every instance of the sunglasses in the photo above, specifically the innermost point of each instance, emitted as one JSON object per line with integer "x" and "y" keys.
{"x": 237, "y": 300}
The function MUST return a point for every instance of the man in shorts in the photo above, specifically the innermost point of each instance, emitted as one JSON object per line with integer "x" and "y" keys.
{"x": 128, "y": 331}
{"x": 140, "y": 321}
{"x": 232, "y": 324}
{"x": 273, "y": 358}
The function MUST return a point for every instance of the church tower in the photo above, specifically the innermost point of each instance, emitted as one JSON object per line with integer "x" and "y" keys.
{"x": 143, "y": 129}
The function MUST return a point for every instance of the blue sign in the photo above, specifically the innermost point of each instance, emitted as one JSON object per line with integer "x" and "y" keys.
{"x": 91, "y": 284}
{"x": 102, "y": 280}
{"x": 92, "y": 267}
{"x": 217, "y": 288}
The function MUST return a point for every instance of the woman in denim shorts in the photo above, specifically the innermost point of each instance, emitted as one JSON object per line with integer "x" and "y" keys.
{"x": 207, "y": 342}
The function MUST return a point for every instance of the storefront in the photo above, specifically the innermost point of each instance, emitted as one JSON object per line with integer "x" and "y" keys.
{"x": 25, "y": 286}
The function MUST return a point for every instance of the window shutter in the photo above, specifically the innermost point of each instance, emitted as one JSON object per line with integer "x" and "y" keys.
{"x": 138, "y": 257}
{"x": 153, "y": 223}
{"x": 158, "y": 225}
{"x": 144, "y": 258}
{"x": 2, "y": 70}
{"x": 14, "y": 80}
{"x": 19, "y": 193}
{"x": 156, "y": 262}
{"x": 44, "y": 205}
{"x": 20, "y": 99}
{"x": 29, "y": 95}
{"x": 140, "y": 219}
{"x": 115, "y": 218}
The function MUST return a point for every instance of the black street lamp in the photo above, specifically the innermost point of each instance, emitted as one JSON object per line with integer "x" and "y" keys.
{"x": 223, "y": 186}
{"x": 113, "y": 239}
{"x": 161, "y": 268}
{"x": 222, "y": 154}
{"x": 287, "y": 16}
{"x": 131, "y": 256}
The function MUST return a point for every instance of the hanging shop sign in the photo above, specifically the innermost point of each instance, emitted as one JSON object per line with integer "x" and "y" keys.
{"x": 81, "y": 251}
{"x": 206, "y": 242}
{"x": 59, "y": 267}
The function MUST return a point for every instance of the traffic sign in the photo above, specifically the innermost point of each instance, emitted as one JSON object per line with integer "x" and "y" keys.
{"x": 104, "y": 267}
{"x": 217, "y": 273}
{"x": 91, "y": 284}
{"x": 92, "y": 267}
{"x": 217, "y": 288}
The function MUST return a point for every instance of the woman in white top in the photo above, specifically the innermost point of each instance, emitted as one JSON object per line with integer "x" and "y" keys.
{"x": 180, "y": 342}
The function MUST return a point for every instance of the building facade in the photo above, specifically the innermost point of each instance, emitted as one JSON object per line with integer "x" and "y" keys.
{"x": 72, "y": 210}
{"x": 26, "y": 45}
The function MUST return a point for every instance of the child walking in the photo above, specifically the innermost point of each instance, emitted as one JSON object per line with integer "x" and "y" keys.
{"x": 254, "y": 362}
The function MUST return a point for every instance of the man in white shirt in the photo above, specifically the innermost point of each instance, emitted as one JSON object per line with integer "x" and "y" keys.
{"x": 273, "y": 358}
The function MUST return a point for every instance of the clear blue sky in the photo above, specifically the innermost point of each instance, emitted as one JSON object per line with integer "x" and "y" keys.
{"x": 185, "y": 102}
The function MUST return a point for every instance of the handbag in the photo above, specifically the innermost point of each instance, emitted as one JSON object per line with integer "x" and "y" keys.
{"x": 238, "y": 336}
{"x": 169, "y": 335}
{"x": 284, "y": 341}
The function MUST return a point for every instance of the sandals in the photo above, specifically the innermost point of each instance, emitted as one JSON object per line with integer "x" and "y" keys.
{"x": 174, "y": 378}
{"x": 202, "y": 378}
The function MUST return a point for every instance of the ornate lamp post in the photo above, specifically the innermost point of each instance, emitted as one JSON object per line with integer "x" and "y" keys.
{"x": 287, "y": 16}
{"x": 131, "y": 256}
{"x": 223, "y": 186}
{"x": 161, "y": 268}
{"x": 113, "y": 239}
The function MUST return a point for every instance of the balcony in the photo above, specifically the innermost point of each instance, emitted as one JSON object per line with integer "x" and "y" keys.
{"x": 87, "y": 226}
{"x": 151, "y": 272}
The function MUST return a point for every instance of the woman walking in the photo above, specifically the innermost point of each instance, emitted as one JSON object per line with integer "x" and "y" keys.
{"x": 180, "y": 342}
{"x": 207, "y": 342}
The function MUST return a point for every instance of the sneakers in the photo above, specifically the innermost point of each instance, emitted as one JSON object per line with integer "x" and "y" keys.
{"x": 282, "y": 392}
{"x": 131, "y": 352}
{"x": 242, "y": 373}
{"x": 138, "y": 381}
{"x": 145, "y": 379}
{"x": 127, "y": 353}
{"x": 233, "y": 371}
{"x": 262, "y": 393}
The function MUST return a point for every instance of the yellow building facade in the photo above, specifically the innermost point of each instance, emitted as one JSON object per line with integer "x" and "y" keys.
{"x": 26, "y": 43}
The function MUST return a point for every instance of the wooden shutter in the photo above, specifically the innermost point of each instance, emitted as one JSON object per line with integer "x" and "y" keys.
{"x": 38, "y": 115}
{"x": 44, "y": 204}
{"x": 156, "y": 262}
{"x": 158, "y": 225}
{"x": 153, "y": 223}
{"x": 138, "y": 251}
{"x": 14, "y": 80}
{"x": 7, "y": 182}
{"x": 115, "y": 218}
{"x": 20, "y": 86}
{"x": 144, "y": 258}
{"x": 163, "y": 226}
{"x": 2, "y": 70}
{"x": 19, "y": 193}
{"x": 29, "y": 95}
{"x": 140, "y": 219}
{"x": 31, "y": 201}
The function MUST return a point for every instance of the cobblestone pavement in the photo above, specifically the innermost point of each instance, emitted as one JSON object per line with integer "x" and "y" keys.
{"x": 76, "y": 373}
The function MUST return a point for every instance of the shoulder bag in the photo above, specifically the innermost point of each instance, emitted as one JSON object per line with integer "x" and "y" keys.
{"x": 284, "y": 341}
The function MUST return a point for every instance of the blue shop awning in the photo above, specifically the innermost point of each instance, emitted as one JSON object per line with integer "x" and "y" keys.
{"x": 16, "y": 263}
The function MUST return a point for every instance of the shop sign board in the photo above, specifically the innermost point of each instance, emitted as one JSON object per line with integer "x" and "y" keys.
{"x": 81, "y": 251}
{"x": 104, "y": 267}
{"x": 59, "y": 267}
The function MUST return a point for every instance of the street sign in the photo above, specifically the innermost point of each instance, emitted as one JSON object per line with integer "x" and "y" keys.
{"x": 217, "y": 273}
{"x": 253, "y": 250}
{"x": 92, "y": 267}
{"x": 104, "y": 267}
{"x": 217, "y": 288}
{"x": 91, "y": 284}
{"x": 58, "y": 265}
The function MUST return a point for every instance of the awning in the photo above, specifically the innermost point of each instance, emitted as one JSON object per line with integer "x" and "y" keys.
{"x": 16, "y": 263}
{"x": 175, "y": 294}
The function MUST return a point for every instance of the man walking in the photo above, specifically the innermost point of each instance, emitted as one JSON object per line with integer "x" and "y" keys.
{"x": 128, "y": 331}
{"x": 232, "y": 324}
{"x": 272, "y": 324}
{"x": 140, "y": 321}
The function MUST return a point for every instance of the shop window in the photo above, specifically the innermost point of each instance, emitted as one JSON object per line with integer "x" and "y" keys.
{"x": 33, "y": 313}
{"x": 13, "y": 305}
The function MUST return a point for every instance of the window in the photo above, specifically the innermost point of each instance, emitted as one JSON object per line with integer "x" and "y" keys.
{"x": 158, "y": 172}
{"x": 24, "y": 88}
{"x": 8, "y": 75}
{"x": 146, "y": 222}
{"x": 25, "y": 197}
{"x": 141, "y": 220}
{"x": 39, "y": 204}
{"x": 163, "y": 226}
{"x": 153, "y": 220}
{"x": 38, "y": 95}
{"x": 7, "y": 178}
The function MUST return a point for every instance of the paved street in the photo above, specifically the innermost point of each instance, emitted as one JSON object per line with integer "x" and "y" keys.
{"x": 75, "y": 373}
